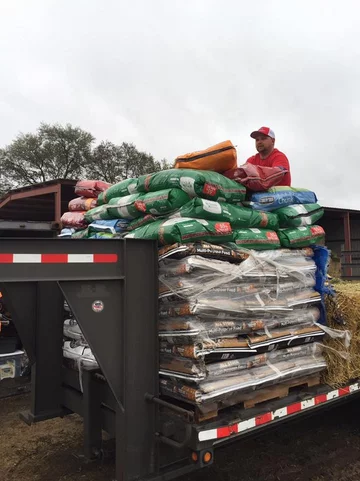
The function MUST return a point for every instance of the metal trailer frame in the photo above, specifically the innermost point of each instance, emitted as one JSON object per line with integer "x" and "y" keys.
{"x": 112, "y": 287}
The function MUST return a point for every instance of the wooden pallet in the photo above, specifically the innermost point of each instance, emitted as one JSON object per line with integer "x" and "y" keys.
{"x": 250, "y": 400}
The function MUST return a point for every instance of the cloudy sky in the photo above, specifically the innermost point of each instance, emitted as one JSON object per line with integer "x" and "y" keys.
{"x": 174, "y": 76}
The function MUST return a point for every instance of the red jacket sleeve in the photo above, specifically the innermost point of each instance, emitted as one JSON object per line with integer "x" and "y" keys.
{"x": 281, "y": 160}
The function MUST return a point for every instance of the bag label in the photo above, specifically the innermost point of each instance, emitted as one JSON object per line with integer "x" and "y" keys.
{"x": 223, "y": 227}
{"x": 124, "y": 212}
{"x": 272, "y": 236}
{"x": 211, "y": 206}
{"x": 299, "y": 209}
{"x": 187, "y": 184}
{"x": 132, "y": 188}
{"x": 210, "y": 190}
{"x": 317, "y": 230}
{"x": 140, "y": 205}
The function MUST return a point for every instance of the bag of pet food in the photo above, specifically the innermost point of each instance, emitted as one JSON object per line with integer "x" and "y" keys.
{"x": 102, "y": 235}
{"x": 98, "y": 213}
{"x": 155, "y": 203}
{"x": 256, "y": 177}
{"x": 80, "y": 234}
{"x": 114, "y": 226}
{"x": 301, "y": 236}
{"x": 74, "y": 219}
{"x": 218, "y": 158}
{"x": 220, "y": 211}
{"x": 299, "y": 215}
{"x": 67, "y": 232}
{"x": 81, "y": 204}
{"x": 90, "y": 188}
{"x": 196, "y": 183}
{"x": 161, "y": 202}
{"x": 123, "y": 207}
{"x": 203, "y": 249}
{"x": 281, "y": 196}
{"x": 121, "y": 189}
{"x": 182, "y": 231}
{"x": 141, "y": 221}
{"x": 257, "y": 239}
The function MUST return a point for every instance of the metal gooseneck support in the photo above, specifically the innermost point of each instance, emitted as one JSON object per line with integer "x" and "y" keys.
{"x": 111, "y": 287}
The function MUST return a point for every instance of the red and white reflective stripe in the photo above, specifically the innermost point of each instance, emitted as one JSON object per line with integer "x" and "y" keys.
{"x": 58, "y": 258}
{"x": 242, "y": 426}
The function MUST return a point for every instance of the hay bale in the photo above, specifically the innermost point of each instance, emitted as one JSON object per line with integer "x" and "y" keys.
{"x": 343, "y": 313}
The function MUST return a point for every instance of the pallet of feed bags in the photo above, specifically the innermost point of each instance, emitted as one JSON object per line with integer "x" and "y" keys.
{"x": 231, "y": 284}
{"x": 214, "y": 311}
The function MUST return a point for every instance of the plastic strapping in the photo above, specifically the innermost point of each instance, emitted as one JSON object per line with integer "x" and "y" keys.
{"x": 343, "y": 354}
{"x": 274, "y": 368}
{"x": 337, "y": 334}
{"x": 267, "y": 332}
{"x": 261, "y": 302}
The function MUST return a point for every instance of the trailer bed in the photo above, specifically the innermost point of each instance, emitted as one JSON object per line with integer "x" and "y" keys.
{"x": 111, "y": 287}
{"x": 319, "y": 448}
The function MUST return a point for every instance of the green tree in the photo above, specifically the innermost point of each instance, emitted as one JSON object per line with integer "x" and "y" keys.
{"x": 53, "y": 152}
{"x": 113, "y": 163}
{"x": 105, "y": 163}
{"x": 66, "y": 152}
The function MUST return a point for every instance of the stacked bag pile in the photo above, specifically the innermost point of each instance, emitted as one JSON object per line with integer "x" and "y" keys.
{"x": 239, "y": 323}
{"x": 238, "y": 305}
{"x": 78, "y": 222}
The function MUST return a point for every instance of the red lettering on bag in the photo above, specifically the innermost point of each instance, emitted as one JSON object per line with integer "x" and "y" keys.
{"x": 317, "y": 230}
{"x": 272, "y": 236}
{"x": 210, "y": 190}
{"x": 223, "y": 227}
{"x": 140, "y": 205}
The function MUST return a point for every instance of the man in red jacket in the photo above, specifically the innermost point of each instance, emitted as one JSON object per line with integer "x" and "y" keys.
{"x": 267, "y": 155}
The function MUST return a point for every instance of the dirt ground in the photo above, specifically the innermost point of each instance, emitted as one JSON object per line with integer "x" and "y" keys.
{"x": 325, "y": 447}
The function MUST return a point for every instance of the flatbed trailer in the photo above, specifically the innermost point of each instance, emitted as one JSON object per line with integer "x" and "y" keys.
{"x": 112, "y": 289}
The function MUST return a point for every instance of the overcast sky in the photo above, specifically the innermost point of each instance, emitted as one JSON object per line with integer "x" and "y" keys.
{"x": 174, "y": 76}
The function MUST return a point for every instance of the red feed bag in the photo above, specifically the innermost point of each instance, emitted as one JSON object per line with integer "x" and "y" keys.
{"x": 256, "y": 177}
{"x": 81, "y": 204}
{"x": 90, "y": 188}
{"x": 76, "y": 220}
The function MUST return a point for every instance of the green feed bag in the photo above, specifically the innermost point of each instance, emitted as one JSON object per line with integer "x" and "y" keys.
{"x": 299, "y": 215}
{"x": 237, "y": 216}
{"x": 155, "y": 203}
{"x": 97, "y": 213}
{"x": 183, "y": 230}
{"x": 141, "y": 221}
{"x": 301, "y": 236}
{"x": 257, "y": 239}
{"x": 80, "y": 234}
{"x": 124, "y": 207}
{"x": 196, "y": 183}
{"x": 162, "y": 202}
{"x": 121, "y": 189}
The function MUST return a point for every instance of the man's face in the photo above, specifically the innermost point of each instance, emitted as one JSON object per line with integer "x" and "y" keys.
{"x": 264, "y": 143}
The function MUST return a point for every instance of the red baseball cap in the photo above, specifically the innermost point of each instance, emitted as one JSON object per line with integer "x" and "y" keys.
{"x": 263, "y": 130}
